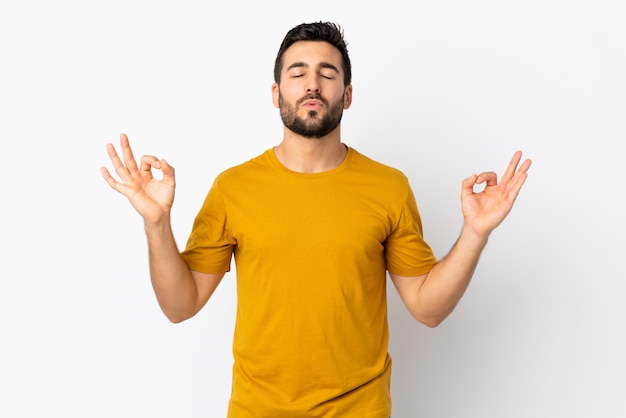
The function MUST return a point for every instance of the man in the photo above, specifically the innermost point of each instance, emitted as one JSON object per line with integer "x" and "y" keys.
{"x": 314, "y": 226}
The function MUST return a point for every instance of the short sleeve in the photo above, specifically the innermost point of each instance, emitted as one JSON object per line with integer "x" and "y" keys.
{"x": 406, "y": 251}
{"x": 210, "y": 245}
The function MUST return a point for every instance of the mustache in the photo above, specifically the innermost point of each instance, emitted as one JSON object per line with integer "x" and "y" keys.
{"x": 312, "y": 96}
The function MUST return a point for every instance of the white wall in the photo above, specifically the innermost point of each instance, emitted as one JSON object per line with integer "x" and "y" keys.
{"x": 441, "y": 90}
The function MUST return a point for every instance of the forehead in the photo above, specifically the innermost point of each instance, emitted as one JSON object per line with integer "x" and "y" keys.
{"x": 312, "y": 53}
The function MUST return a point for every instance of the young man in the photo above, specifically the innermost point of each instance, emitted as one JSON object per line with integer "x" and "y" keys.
{"x": 314, "y": 226}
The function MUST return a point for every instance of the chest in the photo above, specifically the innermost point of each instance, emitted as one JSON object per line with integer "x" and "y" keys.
{"x": 310, "y": 217}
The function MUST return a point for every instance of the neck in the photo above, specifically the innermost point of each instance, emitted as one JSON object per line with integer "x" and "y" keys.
{"x": 311, "y": 155}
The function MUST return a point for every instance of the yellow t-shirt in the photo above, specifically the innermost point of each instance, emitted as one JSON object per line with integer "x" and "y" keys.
{"x": 312, "y": 252}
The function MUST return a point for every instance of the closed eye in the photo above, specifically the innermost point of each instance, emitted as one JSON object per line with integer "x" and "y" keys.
{"x": 329, "y": 71}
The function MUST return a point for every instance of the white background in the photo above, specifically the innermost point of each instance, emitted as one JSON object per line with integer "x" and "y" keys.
{"x": 441, "y": 90}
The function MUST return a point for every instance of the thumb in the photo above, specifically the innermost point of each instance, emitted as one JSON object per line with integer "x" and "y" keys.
{"x": 168, "y": 173}
{"x": 467, "y": 187}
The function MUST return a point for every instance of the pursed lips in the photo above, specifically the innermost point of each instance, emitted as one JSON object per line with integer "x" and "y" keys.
{"x": 312, "y": 104}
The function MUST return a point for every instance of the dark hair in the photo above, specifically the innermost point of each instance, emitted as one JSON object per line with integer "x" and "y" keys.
{"x": 318, "y": 31}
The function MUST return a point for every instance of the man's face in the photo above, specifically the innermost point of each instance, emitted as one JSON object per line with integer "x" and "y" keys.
{"x": 311, "y": 95}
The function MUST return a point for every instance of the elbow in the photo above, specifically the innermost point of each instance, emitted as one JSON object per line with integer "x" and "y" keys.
{"x": 431, "y": 322}
{"x": 176, "y": 313}
{"x": 176, "y": 317}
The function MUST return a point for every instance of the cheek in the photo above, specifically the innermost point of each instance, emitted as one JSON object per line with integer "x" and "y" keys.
{"x": 291, "y": 92}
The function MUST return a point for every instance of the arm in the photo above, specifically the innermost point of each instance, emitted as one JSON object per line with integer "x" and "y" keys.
{"x": 181, "y": 293}
{"x": 432, "y": 297}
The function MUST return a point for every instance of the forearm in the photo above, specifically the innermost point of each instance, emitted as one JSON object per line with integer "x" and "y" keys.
{"x": 173, "y": 283}
{"x": 448, "y": 280}
{"x": 431, "y": 297}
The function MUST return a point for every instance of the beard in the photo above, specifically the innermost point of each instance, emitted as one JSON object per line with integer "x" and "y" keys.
{"x": 313, "y": 126}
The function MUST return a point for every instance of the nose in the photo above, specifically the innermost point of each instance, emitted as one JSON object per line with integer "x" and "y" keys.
{"x": 313, "y": 85}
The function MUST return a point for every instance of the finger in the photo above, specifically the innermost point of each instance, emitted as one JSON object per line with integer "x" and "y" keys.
{"x": 115, "y": 185}
{"x": 168, "y": 173}
{"x": 525, "y": 166}
{"x": 519, "y": 179}
{"x": 129, "y": 159}
{"x": 467, "y": 186}
{"x": 489, "y": 176}
{"x": 119, "y": 167}
{"x": 148, "y": 162}
{"x": 511, "y": 168}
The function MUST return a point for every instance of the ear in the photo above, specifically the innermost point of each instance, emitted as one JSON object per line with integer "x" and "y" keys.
{"x": 275, "y": 94}
{"x": 347, "y": 97}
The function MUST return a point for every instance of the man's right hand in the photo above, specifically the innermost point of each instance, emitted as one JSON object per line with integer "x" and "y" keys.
{"x": 152, "y": 198}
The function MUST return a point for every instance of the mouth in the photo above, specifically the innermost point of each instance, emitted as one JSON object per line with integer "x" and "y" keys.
{"x": 312, "y": 102}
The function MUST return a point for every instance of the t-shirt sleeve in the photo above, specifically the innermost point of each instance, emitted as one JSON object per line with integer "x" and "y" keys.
{"x": 210, "y": 245}
{"x": 406, "y": 251}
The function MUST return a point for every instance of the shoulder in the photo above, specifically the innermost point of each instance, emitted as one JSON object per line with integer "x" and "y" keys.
{"x": 245, "y": 170}
{"x": 372, "y": 169}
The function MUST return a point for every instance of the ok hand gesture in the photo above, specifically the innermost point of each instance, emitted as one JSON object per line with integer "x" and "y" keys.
{"x": 484, "y": 211}
{"x": 152, "y": 198}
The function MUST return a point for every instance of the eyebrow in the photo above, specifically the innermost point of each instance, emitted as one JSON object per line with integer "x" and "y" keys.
{"x": 323, "y": 64}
